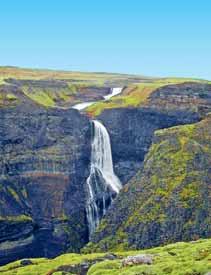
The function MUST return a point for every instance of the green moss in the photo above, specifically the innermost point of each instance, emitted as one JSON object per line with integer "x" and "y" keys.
{"x": 8, "y": 99}
{"x": 11, "y": 97}
{"x": 40, "y": 97}
{"x": 178, "y": 259}
{"x": 175, "y": 180}
{"x": 2, "y": 80}
{"x": 63, "y": 218}
{"x": 43, "y": 266}
{"x": 20, "y": 218}
{"x": 137, "y": 91}
{"x": 13, "y": 193}
{"x": 135, "y": 94}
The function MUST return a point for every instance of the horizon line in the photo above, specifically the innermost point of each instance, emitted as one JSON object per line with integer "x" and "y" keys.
{"x": 53, "y": 69}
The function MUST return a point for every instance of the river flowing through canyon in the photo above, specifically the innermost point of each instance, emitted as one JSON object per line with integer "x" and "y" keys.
{"x": 102, "y": 183}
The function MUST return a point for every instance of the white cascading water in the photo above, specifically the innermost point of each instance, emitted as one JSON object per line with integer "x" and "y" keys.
{"x": 102, "y": 183}
{"x": 114, "y": 91}
{"x": 84, "y": 105}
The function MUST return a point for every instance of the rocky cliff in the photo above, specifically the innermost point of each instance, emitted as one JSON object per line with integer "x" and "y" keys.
{"x": 132, "y": 129}
{"x": 52, "y": 92}
{"x": 169, "y": 200}
{"x": 45, "y": 156}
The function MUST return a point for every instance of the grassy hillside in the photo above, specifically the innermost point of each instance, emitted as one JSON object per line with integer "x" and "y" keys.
{"x": 57, "y": 88}
{"x": 62, "y": 88}
{"x": 136, "y": 94}
{"x": 178, "y": 259}
{"x": 99, "y": 78}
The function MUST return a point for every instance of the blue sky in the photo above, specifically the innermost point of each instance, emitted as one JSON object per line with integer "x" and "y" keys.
{"x": 155, "y": 38}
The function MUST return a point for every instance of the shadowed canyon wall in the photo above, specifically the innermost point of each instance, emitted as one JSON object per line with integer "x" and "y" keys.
{"x": 45, "y": 156}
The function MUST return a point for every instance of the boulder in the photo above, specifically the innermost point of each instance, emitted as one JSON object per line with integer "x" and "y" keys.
{"x": 25, "y": 262}
{"x": 137, "y": 260}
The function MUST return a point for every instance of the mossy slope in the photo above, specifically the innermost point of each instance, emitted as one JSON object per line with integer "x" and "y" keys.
{"x": 137, "y": 94}
{"x": 178, "y": 259}
{"x": 169, "y": 200}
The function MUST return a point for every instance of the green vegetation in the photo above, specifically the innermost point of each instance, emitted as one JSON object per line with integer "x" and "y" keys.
{"x": 11, "y": 97}
{"x": 13, "y": 193}
{"x": 20, "y": 218}
{"x": 50, "y": 97}
{"x": 135, "y": 94}
{"x": 8, "y": 99}
{"x": 41, "y": 97}
{"x": 42, "y": 266}
{"x": 88, "y": 78}
{"x": 175, "y": 259}
{"x": 166, "y": 198}
{"x": 137, "y": 88}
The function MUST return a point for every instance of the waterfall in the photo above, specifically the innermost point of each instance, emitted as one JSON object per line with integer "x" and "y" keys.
{"x": 84, "y": 105}
{"x": 102, "y": 183}
{"x": 114, "y": 91}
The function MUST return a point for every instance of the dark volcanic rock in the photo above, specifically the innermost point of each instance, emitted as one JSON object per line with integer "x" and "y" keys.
{"x": 132, "y": 130}
{"x": 25, "y": 262}
{"x": 169, "y": 200}
{"x": 43, "y": 84}
{"x": 86, "y": 94}
{"x": 45, "y": 156}
{"x": 54, "y": 88}
{"x": 195, "y": 97}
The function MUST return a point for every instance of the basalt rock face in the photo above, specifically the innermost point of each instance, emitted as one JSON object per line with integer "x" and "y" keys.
{"x": 192, "y": 96}
{"x": 131, "y": 132}
{"x": 64, "y": 93}
{"x": 45, "y": 158}
{"x": 132, "y": 129}
{"x": 178, "y": 162}
{"x": 169, "y": 200}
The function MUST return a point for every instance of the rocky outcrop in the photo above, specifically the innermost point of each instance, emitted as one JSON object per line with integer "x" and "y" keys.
{"x": 83, "y": 267}
{"x": 169, "y": 200}
{"x": 195, "y": 97}
{"x": 137, "y": 260}
{"x": 57, "y": 92}
{"x": 91, "y": 93}
{"x": 45, "y": 157}
{"x": 132, "y": 129}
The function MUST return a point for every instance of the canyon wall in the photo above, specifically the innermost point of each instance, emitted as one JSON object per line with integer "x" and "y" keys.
{"x": 45, "y": 156}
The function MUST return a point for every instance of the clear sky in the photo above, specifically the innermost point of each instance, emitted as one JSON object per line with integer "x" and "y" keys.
{"x": 150, "y": 37}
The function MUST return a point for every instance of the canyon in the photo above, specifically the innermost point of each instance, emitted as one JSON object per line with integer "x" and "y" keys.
{"x": 70, "y": 176}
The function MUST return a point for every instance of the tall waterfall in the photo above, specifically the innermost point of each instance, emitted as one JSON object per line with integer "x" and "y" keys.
{"x": 102, "y": 183}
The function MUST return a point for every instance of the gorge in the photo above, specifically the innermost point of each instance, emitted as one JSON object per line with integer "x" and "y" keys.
{"x": 59, "y": 178}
